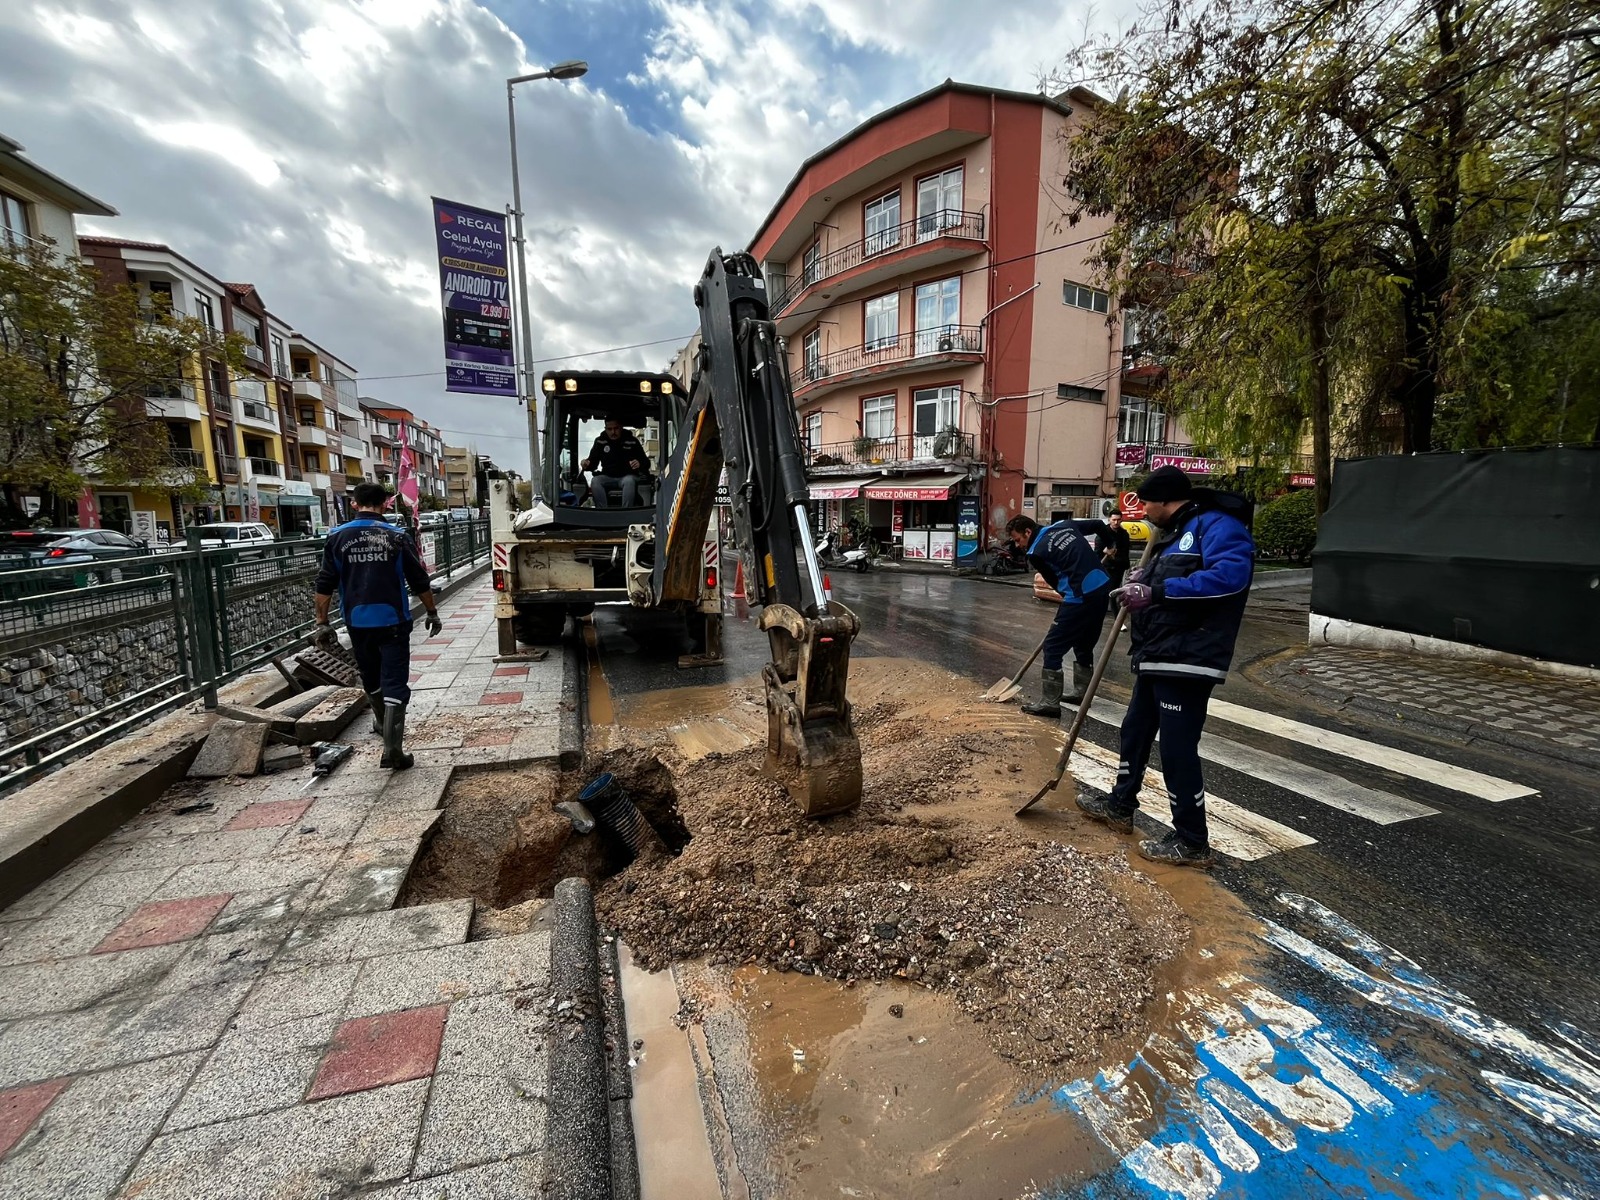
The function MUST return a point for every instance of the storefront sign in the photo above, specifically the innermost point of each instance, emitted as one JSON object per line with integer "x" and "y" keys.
{"x": 897, "y": 519}
{"x": 910, "y": 489}
{"x": 144, "y": 526}
{"x": 966, "y": 526}
{"x": 1302, "y": 481}
{"x": 1189, "y": 466}
{"x": 1131, "y": 454}
{"x": 475, "y": 288}
{"x": 1132, "y": 507}
{"x": 842, "y": 489}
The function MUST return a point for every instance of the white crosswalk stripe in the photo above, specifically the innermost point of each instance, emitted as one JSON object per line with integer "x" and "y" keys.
{"x": 1322, "y": 786}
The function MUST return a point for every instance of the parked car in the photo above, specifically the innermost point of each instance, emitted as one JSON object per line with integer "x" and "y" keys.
{"x": 432, "y": 520}
{"x": 236, "y": 533}
{"x": 21, "y": 549}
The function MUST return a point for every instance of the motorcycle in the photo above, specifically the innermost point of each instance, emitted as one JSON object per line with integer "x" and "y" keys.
{"x": 828, "y": 552}
{"x": 1008, "y": 559}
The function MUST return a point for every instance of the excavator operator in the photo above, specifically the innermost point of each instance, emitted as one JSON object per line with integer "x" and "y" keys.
{"x": 618, "y": 460}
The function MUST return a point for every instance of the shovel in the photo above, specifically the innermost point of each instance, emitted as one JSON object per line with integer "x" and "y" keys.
{"x": 1101, "y": 662}
{"x": 1007, "y": 689}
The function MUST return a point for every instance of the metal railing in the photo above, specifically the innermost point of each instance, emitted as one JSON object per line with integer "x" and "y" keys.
{"x": 228, "y": 464}
{"x": 949, "y": 444}
{"x": 881, "y": 352}
{"x": 265, "y": 466}
{"x": 945, "y": 223}
{"x": 94, "y": 650}
{"x": 158, "y": 392}
{"x": 183, "y": 456}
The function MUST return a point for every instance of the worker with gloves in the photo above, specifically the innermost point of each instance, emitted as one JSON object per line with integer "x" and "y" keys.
{"x": 1184, "y": 610}
{"x": 375, "y": 567}
{"x": 1071, "y": 566}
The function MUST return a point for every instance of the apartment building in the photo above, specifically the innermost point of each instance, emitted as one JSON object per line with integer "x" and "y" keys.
{"x": 327, "y": 415}
{"x": 952, "y": 362}
{"x": 390, "y": 427}
{"x": 263, "y": 450}
{"x": 36, "y": 205}
{"x": 461, "y": 476}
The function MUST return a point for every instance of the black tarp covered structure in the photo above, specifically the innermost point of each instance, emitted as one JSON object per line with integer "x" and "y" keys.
{"x": 1496, "y": 548}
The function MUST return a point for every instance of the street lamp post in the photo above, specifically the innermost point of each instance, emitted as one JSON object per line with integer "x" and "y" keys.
{"x": 530, "y": 396}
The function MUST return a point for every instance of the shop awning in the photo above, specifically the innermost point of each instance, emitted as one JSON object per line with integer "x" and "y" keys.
{"x": 838, "y": 489}
{"x": 924, "y": 487}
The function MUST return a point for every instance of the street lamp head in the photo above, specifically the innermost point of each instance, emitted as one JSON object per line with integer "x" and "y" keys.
{"x": 571, "y": 69}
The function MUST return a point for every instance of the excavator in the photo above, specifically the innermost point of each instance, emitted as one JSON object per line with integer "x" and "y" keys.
{"x": 736, "y": 428}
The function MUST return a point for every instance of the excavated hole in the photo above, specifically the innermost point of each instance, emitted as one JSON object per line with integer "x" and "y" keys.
{"x": 501, "y": 842}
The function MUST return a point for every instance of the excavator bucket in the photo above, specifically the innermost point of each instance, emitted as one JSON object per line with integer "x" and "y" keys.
{"x": 811, "y": 744}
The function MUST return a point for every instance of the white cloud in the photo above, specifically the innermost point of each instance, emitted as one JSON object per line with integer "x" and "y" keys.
{"x": 294, "y": 143}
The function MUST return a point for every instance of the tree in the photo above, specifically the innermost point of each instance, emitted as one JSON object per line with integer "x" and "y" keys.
{"x": 79, "y": 361}
{"x": 1331, "y": 204}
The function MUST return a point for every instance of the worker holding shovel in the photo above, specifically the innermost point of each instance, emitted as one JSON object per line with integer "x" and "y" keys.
{"x": 1184, "y": 607}
{"x": 1062, "y": 554}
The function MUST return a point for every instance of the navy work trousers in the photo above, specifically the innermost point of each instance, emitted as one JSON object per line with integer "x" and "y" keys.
{"x": 384, "y": 657}
{"x": 1176, "y": 708}
{"x": 1076, "y": 628}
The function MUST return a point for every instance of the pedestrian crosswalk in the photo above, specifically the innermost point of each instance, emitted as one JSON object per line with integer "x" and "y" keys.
{"x": 1248, "y": 836}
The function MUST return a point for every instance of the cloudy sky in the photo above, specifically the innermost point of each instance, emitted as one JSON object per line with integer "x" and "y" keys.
{"x": 294, "y": 144}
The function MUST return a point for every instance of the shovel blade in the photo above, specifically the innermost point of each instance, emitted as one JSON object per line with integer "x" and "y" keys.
{"x": 1006, "y": 689}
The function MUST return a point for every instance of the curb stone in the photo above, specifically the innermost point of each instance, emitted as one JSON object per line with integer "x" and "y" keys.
{"x": 578, "y": 1149}
{"x": 624, "y": 1154}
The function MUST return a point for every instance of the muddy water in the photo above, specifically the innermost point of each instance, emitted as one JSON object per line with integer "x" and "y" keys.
{"x": 870, "y": 1104}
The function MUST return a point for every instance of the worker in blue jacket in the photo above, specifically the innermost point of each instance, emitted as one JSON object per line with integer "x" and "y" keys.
{"x": 1063, "y": 555}
{"x": 376, "y": 568}
{"x": 1184, "y": 612}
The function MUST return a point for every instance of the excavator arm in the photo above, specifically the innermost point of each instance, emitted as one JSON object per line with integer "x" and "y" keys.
{"x": 741, "y": 417}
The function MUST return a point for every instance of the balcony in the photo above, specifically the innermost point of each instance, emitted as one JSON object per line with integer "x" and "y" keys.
{"x": 901, "y": 450}
{"x": 890, "y": 356}
{"x": 255, "y": 355}
{"x": 262, "y": 468}
{"x": 921, "y": 242}
{"x": 354, "y": 446}
{"x": 173, "y": 402}
{"x": 293, "y": 472}
{"x": 320, "y": 481}
{"x": 251, "y": 413}
{"x": 228, "y": 464}
{"x": 313, "y": 435}
{"x": 221, "y": 406}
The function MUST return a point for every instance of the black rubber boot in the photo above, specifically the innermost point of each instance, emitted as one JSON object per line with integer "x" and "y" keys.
{"x": 1050, "y": 704}
{"x": 376, "y": 700}
{"x": 394, "y": 732}
{"x": 1080, "y": 683}
{"x": 1177, "y": 852}
{"x": 1098, "y": 808}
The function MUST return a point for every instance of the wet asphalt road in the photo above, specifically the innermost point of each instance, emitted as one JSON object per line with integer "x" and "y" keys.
{"x": 1498, "y": 901}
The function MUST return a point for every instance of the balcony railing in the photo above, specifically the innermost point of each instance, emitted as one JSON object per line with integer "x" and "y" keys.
{"x": 265, "y": 466}
{"x": 921, "y": 343}
{"x": 169, "y": 391}
{"x": 228, "y": 464}
{"x": 257, "y": 412}
{"x": 188, "y": 459}
{"x": 293, "y": 472}
{"x": 950, "y": 445}
{"x": 946, "y": 223}
{"x": 255, "y": 353}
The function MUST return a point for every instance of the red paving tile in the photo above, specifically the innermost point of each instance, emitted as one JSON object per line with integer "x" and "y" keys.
{"x": 499, "y": 737}
{"x": 374, "y": 1051}
{"x": 162, "y": 922}
{"x": 413, "y": 678}
{"x": 519, "y": 672}
{"x": 501, "y": 698}
{"x": 438, "y": 641}
{"x": 21, "y": 1106}
{"x": 424, "y": 658}
{"x": 269, "y": 814}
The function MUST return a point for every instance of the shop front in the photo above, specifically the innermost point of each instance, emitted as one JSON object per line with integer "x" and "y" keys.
{"x": 295, "y": 505}
{"x": 830, "y": 500}
{"x": 925, "y": 517}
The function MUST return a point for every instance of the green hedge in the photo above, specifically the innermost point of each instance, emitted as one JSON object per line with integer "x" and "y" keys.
{"x": 1287, "y": 527}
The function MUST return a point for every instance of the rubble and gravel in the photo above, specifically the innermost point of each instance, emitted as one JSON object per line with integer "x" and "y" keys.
{"x": 1052, "y": 949}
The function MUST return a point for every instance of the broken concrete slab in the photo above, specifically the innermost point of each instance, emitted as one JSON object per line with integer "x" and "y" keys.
{"x": 282, "y": 758}
{"x": 298, "y": 706}
{"x": 324, "y": 722}
{"x": 232, "y": 748}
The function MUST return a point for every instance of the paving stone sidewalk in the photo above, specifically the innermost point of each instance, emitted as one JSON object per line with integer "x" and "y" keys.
{"x": 1543, "y": 713}
{"x": 221, "y": 1001}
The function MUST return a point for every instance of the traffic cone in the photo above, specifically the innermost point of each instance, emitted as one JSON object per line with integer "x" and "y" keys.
{"x": 827, "y": 589}
{"x": 738, "y": 581}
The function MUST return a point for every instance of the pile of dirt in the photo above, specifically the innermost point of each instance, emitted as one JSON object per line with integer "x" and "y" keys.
{"x": 1054, "y": 950}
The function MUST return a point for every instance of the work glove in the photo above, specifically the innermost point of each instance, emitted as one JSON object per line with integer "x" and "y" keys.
{"x": 433, "y": 625}
{"x": 1134, "y": 596}
{"x": 324, "y": 638}
{"x": 1134, "y": 576}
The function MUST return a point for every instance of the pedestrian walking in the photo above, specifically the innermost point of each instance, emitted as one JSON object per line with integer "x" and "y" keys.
{"x": 1062, "y": 554}
{"x": 1115, "y": 549}
{"x": 1184, "y": 610}
{"x": 376, "y": 568}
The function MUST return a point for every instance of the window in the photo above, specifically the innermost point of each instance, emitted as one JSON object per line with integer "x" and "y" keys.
{"x": 811, "y": 353}
{"x": 161, "y": 295}
{"x": 313, "y": 460}
{"x": 1141, "y": 421}
{"x": 1079, "y": 296}
{"x": 883, "y": 224}
{"x": 308, "y": 416}
{"x": 883, "y": 321}
{"x": 1029, "y": 490}
{"x": 814, "y": 432}
{"x": 203, "y": 309}
{"x": 301, "y": 367}
{"x": 217, "y": 377}
{"x": 14, "y": 218}
{"x": 877, "y": 417}
{"x": 1074, "y": 489}
{"x": 280, "y": 361}
{"x": 1071, "y": 391}
{"x": 938, "y": 315}
{"x": 811, "y": 264}
{"x": 938, "y": 203}
{"x": 933, "y": 410}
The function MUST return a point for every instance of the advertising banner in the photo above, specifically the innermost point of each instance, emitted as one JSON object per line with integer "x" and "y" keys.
{"x": 1131, "y": 454}
{"x": 406, "y": 481}
{"x": 1299, "y": 480}
{"x": 475, "y": 287}
{"x": 966, "y": 526}
{"x": 1189, "y": 466}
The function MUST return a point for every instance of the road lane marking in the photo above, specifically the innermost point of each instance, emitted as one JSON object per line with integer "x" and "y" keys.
{"x": 1313, "y": 783}
{"x": 1457, "y": 779}
{"x": 1237, "y": 832}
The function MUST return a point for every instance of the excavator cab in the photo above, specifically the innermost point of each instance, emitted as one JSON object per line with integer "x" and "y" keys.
{"x": 578, "y": 405}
